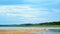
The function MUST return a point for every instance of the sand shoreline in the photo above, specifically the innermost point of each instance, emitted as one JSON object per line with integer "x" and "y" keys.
{"x": 21, "y": 31}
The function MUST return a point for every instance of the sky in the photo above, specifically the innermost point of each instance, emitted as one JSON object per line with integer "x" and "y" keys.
{"x": 29, "y": 11}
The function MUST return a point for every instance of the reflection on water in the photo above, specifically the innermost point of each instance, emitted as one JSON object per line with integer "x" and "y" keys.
{"x": 46, "y": 33}
{"x": 50, "y": 31}
{"x": 54, "y": 30}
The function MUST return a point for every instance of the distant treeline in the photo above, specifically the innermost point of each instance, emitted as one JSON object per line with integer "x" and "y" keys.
{"x": 51, "y": 23}
{"x": 40, "y": 24}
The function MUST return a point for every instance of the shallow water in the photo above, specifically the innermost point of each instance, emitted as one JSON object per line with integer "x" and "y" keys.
{"x": 50, "y": 31}
{"x": 46, "y": 33}
{"x": 22, "y": 28}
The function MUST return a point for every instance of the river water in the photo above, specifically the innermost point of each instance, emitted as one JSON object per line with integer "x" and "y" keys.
{"x": 50, "y": 30}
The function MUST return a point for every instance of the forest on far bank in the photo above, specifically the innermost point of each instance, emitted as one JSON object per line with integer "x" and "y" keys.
{"x": 51, "y": 24}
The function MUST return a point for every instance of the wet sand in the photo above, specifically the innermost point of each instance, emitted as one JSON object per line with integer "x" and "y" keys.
{"x": 21, "y": 31}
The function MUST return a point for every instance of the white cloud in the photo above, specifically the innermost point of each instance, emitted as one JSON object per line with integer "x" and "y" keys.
{"x": 23, "y": 15}
{"x": 15, "y": 8}
{"x": 23, "y": 10}
{"x": 33, "y": 20}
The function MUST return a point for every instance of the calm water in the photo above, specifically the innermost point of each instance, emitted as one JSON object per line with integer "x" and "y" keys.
{"x": 46, "y": 33}
{"x": 50, "y": 30}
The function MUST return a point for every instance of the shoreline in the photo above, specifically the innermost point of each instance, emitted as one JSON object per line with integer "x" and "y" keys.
{"x": 27, "y": 28}
{"x": 21, "y": 31}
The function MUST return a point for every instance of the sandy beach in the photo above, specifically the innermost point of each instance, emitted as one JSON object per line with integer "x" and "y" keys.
{"x": 21, "y": 31}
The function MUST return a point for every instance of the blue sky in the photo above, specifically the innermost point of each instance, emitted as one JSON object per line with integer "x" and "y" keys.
{"x": 29, "y": 11}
